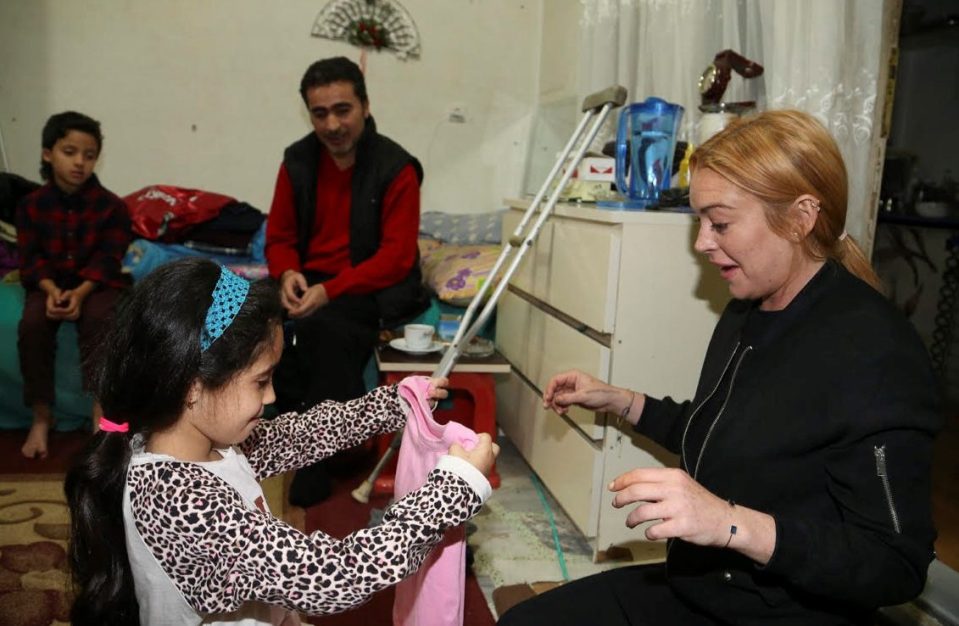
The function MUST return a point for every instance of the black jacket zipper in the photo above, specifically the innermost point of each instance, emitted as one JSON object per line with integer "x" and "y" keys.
{"x": 729, "y": 392}
{"x": 880, "y": 452}
{"x": 669, "y": 543}
{"x": 702, "y": 404}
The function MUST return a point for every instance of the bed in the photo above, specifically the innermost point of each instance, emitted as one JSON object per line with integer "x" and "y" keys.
{"x": 457, "y": 253}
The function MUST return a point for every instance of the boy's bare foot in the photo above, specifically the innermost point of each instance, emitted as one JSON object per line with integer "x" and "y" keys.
{"x": 35, "y": 447}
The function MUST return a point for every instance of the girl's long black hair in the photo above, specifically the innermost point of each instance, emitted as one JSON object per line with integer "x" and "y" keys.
{"x": 147, "y": 363}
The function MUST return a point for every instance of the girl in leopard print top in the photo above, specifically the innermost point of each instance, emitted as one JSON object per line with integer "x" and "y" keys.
{"x": 169, "y": 524}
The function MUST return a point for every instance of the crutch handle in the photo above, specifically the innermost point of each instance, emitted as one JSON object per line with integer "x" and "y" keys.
{"x": 615, "y": 95}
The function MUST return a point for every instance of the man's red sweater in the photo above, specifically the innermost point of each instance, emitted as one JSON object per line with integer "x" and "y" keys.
{"x": 329, "y": 246}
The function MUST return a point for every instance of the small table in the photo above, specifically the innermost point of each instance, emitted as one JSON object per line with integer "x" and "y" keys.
{"x": 473, "y": 375}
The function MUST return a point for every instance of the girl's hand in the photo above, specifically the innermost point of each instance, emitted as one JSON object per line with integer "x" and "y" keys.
{"x": 437, "y": 390}
{"x": 481, "y": 456}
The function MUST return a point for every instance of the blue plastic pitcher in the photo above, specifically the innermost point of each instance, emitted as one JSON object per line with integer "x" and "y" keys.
{"x": 645, "y": 142}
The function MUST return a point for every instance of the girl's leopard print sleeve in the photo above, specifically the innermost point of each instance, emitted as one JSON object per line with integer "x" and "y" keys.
{"x": 220, "y": 554}
{"x": 294, "y": 440}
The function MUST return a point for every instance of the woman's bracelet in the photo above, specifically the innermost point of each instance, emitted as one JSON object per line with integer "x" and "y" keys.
{"x": 732, "y": 527}
{"x": 629, "y": 407}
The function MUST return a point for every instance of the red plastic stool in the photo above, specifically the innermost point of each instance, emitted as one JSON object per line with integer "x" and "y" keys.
{"x": 476, "y": 409}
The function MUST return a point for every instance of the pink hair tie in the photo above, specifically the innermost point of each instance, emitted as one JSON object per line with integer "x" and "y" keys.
{"x": 112, "y": 427}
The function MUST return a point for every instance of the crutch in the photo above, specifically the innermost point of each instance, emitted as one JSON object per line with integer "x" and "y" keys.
{"x": 596, "y": 107}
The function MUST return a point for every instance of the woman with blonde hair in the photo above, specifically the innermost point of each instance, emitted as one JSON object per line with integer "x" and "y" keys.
{"x": 803, "y": 491}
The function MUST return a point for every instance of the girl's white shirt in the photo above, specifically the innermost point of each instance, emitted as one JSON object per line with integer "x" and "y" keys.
{"x": 161, "y": 603}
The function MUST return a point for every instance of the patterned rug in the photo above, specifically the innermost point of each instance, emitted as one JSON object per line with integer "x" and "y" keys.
{"x": 34, "y": 526}
{"x": 34, "y": 529}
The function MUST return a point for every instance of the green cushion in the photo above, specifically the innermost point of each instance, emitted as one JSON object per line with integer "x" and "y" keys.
{"x": 72, "y": 405}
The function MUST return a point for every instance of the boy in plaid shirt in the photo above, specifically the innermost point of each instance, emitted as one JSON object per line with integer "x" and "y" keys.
{"x": 72, "y": 234}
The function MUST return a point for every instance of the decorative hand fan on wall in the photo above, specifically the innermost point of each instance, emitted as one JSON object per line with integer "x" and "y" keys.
{"x": 373, "y": 24}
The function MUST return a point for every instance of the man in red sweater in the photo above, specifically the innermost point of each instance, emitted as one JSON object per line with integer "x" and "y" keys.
{"x": 341, "y": 239}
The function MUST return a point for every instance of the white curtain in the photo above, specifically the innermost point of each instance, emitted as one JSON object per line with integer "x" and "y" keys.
{"x": 821, "y": 56}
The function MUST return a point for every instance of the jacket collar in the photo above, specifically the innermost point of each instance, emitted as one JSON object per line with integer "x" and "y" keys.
{"x": 800, "y": 307}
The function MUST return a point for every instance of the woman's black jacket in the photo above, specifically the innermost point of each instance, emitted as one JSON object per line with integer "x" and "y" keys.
{"x": 828, "y": 426}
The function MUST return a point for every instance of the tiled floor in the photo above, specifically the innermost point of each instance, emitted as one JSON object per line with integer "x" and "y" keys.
{"x": 513, "y": 542}
{"x": 512, "y": 539}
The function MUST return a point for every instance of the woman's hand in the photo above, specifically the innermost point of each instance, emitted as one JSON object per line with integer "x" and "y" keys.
{"x": 684, "y": 507}
{"x": 688, "y": 511}
{"x": 481, "y": 456}
{"x": 580, "y": 389}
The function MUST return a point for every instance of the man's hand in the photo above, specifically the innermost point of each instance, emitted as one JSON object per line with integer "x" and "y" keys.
{"x": 292, "y": 286}
{"x": 313, "y": 298}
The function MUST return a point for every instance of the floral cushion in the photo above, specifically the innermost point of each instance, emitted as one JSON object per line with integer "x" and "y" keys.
{"x": 455, "y": 272}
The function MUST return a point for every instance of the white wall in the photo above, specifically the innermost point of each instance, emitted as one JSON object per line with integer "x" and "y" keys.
{"x": 204, "y": 93}
{"x": 558, "y": 105}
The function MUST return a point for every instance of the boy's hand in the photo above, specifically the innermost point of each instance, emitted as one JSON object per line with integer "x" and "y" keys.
{"x": 69, "y": 302}
{"x": 481, "y": 456}
{"x": 55, "y": 303}
{"x": 71, "y": 299}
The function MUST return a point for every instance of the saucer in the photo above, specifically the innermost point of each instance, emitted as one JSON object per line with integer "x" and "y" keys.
{"x": 400, "y": 344}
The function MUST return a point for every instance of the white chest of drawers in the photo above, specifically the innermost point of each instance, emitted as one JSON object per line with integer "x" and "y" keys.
{"x": 623, "y": 296}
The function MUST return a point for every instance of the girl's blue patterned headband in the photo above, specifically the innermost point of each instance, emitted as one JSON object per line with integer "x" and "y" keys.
{"x": 228, "y": 296}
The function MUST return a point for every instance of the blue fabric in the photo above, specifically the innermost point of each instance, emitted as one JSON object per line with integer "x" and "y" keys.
{"x": 144, "y": 256}
{"x": 472, "y": 228}
{"x": 72, "y": 406}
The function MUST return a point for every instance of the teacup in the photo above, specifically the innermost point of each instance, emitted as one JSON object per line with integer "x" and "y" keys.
{"x": 418, "y": 336}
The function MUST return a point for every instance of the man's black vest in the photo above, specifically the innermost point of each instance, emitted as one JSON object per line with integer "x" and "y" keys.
{"x": 378, "y": 162}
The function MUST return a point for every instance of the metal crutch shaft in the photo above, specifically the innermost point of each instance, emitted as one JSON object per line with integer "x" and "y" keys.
{"x": 597, "y": 105}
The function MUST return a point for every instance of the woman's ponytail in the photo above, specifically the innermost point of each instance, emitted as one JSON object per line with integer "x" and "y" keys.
{"x": 848, "y": 252}
{"x": 103, "y": 581}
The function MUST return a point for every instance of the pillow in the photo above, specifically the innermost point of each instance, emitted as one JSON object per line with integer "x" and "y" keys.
{"x": 456, "y": 273}
{"x": 474, "y": 228}
{"x": 427, "y": 245}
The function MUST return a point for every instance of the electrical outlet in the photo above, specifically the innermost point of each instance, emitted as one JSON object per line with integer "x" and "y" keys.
{"x": 457, "y": 114}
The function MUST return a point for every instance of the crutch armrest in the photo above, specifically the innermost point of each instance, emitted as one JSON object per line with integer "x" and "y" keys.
{"x": 614, "y": 95}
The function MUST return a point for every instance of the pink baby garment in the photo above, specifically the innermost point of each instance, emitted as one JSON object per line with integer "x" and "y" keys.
{"x": 433, "y": 596}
